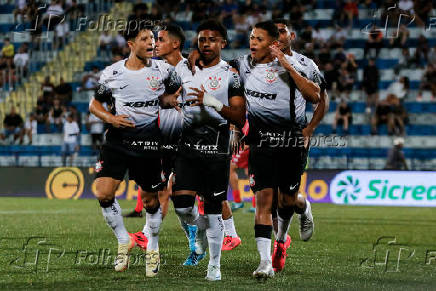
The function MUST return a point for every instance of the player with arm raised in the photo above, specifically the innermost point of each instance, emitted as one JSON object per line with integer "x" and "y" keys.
{"x": 132, "y": 88}
{"x": 276, "y": 91}
{"x": 202, "y": 163}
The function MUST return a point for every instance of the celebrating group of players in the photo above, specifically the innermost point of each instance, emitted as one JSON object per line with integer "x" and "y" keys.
{"x": 173, "y": 116}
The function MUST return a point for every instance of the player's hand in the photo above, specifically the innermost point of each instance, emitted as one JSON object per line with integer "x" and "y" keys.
{"x": 307, "y": 134}
{"x": 197, "y": 93}
{"x": 172, "y": 99}
{"x": 121, "y": 121}
{"x": 277, "y": 53}
{"x": 235, "y": 139}
{"x": 193, "y": 57}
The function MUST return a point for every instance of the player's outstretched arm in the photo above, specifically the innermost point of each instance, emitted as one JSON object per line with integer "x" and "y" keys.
{"x": 309, "y": 89}
{"x": 168, "y": 100}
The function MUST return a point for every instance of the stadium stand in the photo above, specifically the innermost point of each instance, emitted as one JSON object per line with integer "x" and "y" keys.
{"x": 360, "y": 150}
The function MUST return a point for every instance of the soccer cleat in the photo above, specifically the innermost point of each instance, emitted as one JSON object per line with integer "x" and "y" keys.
{"x": 192, "y": 231}
{"x": 279, "y": 256}
{"x": 122, "y": 259}
{"x": 140, "y": 239}
{"x": 213, "y": 273}
{"x": 133, "y": 214}
{"x": 236, "y": 206}
{"x": 306, "y": 223}
{"x": 229, "y": 243}
{"x": 288, "y": 241}
{"x": 152, "y": 263}
{"x": 264, "y": 270}
{"x": 193, "y": 259}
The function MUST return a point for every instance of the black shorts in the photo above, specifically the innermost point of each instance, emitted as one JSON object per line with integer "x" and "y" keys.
{"x": 145, "y": 171}
{"x": 272, "y": 168}
{"x": 209, "y": 177}
{"x": 168, "y": 163}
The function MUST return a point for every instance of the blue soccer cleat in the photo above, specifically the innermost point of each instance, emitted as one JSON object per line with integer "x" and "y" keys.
{"x": 193, "y": 259}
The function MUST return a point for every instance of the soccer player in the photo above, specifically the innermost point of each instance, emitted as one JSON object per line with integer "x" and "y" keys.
{"x": 169, "y": 45}
{"x": 133, "y": 88}
{"x": 286, "y": 36}
{"x": 202, "y": 163}
{"x": 276, "y": 88}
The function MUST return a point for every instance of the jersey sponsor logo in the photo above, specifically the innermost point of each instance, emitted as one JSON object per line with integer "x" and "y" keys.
{"x": 214, "y": 83}
{"x": 153, "y": 82}
{"x": 271, "y": 76}
{"x": 142, "y": 103}
{"x": 114, "y": 72}
{"x": 260, "y": 95}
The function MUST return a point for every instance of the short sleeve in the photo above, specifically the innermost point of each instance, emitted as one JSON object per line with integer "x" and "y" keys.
{"x": 102, "y": 92}
{"x": 236, "y": 87}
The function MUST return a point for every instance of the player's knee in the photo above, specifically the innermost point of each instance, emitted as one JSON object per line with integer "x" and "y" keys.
{"x": 104, "y": 194}
{"x": 105, "y": 203}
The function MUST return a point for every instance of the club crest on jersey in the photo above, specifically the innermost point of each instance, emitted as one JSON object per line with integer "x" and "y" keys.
{"x": 153, "y": 83}
{"x": 98, "y": 166}
{"x": 271, "y": 76}
{"x": 214, "y": 83}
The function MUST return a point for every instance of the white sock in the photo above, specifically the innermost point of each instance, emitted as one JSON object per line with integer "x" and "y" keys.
{"x": 229, "y": 227}
{"x": 264, "y": 248}
{"x": 188, "y": 215}
{"x": 283, "y": 227}
{"x": 112, "y": 215}
{"x": 215, "y": 236}
{"x": 201, "y": 238}
{"x": 153, "y": 221}
{"x": 146, "y": 228}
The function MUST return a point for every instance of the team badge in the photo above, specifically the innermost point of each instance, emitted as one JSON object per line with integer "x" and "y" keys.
{"x": 214, "y": 83}
{"x": 98, "y": 166}
{"x": 271, "y": 76}
{"x": 252, "y": 182}
{"x": 153, "y": 83}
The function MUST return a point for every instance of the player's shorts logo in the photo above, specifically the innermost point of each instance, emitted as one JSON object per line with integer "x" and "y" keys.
{"x": 271, "y": 76}
{"x": 98, "y": 166}
{"x": 214, "y": 83}
{"x": 153, "y": 83}
{"x": 252, "y": 182}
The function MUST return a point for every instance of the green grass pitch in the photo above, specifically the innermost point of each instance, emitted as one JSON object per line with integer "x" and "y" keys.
{"x": 59, "y": 244}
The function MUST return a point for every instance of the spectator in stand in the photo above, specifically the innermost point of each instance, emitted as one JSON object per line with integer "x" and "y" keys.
{"x": 296, "y": 16}
{"x": 21, "y": 61}
{"x": 105, "y": 43}
{"x": 400, "y": 88}
{"x": 350, "y": 12}
{"x": 77, "y": 116}
{"x": 371, "y": 78}
{"x": 12, "y": 127}
{"x": 375, "y": 41}
{"x": 54, "y": 15}
{"x": 62, "y": 31}
{"x": 42, "y": 110}
{"x": 346, "y": 80}
{"x": 422, "y": 10}
{"x": 428, "y": 82}
{"x": 406, "y": 6}
{"x": 331, "y": 76}
{"x": 406, "y": 61}
{"x": 228, "y": 9}
{"x": 343, "y": 116}
{"x": 56, "y": 114}
{"x": 382, "y": 115}
{"x": 337, "y": 39}
{"x": 422, "y": 49}
{"x": 31, "y": 126}
{"x": 400, "y": 37}
{"x": 399, "y": 115}
{"x": 241, "y": 28}
{"x": 339, "y": 57}
{"x": 320, "y": 36}
{"x": 432, "y": 56}
{"x": 47, "y": 90}
{"x": 90, "y": 81}
{"x": 70, "y": 146}
{"x": 95, "y": 127}
{"x": 63, "y": 92}
{"x": 182, "y": 15}
{"x": 20, "y": 10}
{"x": 396, "y": 159}
{"x": 324, "y": 57}
{"x": 8, "y": 52}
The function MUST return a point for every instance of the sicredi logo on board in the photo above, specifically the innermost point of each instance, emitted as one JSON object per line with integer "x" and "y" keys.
{"x": 394, "y": 188}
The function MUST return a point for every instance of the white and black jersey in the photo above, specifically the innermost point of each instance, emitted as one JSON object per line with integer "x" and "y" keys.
{"x": 171, "y": 120}
{"x": 274, "y": 104}
{"x": 136, "y": 94}
{"x": 205, "y": 131}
